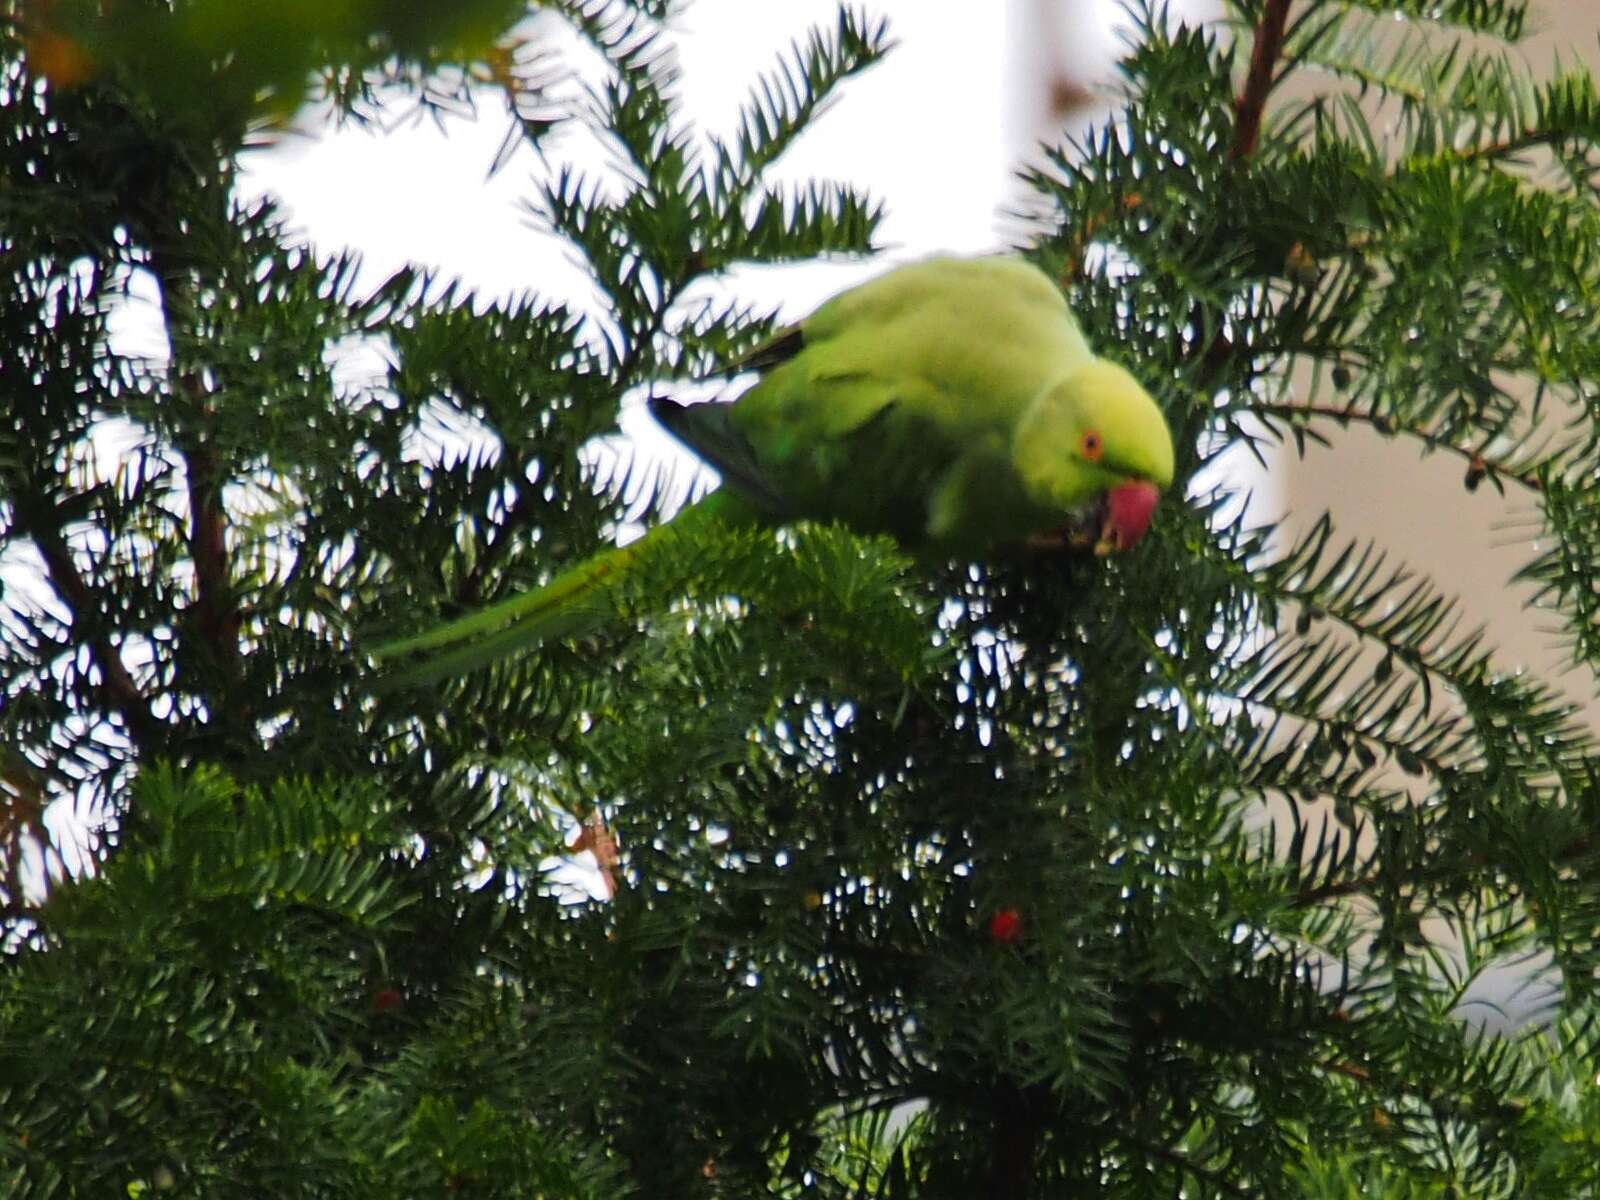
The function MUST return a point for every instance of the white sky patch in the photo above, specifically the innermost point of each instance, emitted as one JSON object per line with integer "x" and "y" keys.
{"x": 134, "y": 326}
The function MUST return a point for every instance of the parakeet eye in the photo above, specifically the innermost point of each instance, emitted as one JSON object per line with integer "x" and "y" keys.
{"x": 1091, "y": 446}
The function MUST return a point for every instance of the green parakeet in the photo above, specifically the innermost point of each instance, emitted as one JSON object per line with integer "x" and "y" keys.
{"x": 952, "y": 403}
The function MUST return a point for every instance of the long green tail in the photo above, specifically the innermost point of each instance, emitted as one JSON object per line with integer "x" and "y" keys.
{"x": 576, "y": 601}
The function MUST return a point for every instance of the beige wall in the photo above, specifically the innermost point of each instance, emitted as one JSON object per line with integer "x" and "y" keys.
{"x": 1470, "y": 544}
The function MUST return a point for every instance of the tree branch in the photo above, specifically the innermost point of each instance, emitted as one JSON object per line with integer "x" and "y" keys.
{"x": 1572, "y": 852}
{"x": 1527, "y": 140}
{"x": 122, "y": 694}
{"x": 1187, "y": 1165}
{"x": 217, "y": 617}
{"x": 1478, "y": 464}
{"x": 1266, "y": 46}
{"x": 216, "y": 614}
{"x": 1018, "y": 1126}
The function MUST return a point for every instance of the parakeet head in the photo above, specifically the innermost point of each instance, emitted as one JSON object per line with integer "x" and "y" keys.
{"x": 1094, "y": 447}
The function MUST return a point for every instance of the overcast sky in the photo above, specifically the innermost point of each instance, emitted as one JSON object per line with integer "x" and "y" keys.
{"x": 934, "y": 131}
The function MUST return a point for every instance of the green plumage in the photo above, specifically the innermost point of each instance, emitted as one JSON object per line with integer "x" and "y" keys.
{"x": 952, "y": 404}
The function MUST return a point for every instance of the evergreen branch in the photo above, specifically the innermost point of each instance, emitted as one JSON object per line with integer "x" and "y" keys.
{"x": 1479, "y": 463}
{"x": 1505, "y": 19}
{"x": 217, "y": 614}
{"x": 1509, "y": 147}
{"x": 1402, "y": 65}
{"x": 1573, "y": 852}
{"x": 1194, "y": 703}
{"x": 1360, "y": 741}
{"x": 123, "y": 695}
{"x": 818, "y": 219}
{"x": 1434, "y": 1095}
{"x": 1413, "y": 623}
{"x": 1329, "y": 860}
{"x": 1177, "y": 1158}
{"x": 788, "y": 98}
{"x": 1511, "y": 743}
{"x": 1335, "y": 890}
{"x": 1566, "y": 108}
{"x": 1361, "y": 885}
{"x": 1265, "y": 47}
{"x": 1564, "y": 571}
{"x": 1461, "y": 95}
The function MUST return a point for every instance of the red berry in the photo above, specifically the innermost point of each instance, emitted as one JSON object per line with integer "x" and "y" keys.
{"x": 1005, "y": 927}
{"x": 387, "y": 1000}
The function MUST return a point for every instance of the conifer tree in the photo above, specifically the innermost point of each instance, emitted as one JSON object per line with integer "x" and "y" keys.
{"x": 1163, "y": 875}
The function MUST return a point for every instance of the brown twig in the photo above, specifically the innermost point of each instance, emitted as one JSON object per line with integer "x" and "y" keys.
{"x": 1572, "y": 852}
{"x": 217, "y": 617}
{"x": 1348, "y": 1069}
{"x": 122, "y": 694}
{"x": 1430, "y": 1095}
{"x": 1526, "y": 140}
{"x": 1306, "y": 897}
{"x": 1267, "y": 44}
{"x": 1476, "y": 460}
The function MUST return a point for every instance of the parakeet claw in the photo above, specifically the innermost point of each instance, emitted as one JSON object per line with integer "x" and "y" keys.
{"x": 1086, "y": 532}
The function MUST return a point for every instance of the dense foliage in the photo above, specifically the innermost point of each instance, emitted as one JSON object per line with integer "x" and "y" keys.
{"x": 1165, "y": 875}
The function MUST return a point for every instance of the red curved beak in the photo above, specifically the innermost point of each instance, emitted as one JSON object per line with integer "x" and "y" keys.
{"x": 1129, "y": 508}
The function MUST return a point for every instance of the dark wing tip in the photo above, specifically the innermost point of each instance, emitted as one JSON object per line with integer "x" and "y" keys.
{"x": 778, "y": 349}
{"x": 706, "y": 430}
{"x": 668, "y": 412}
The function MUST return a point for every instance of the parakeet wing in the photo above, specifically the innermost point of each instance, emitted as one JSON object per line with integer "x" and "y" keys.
{"x": 706, "y": 429}
{"x": 879, "y": 395}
